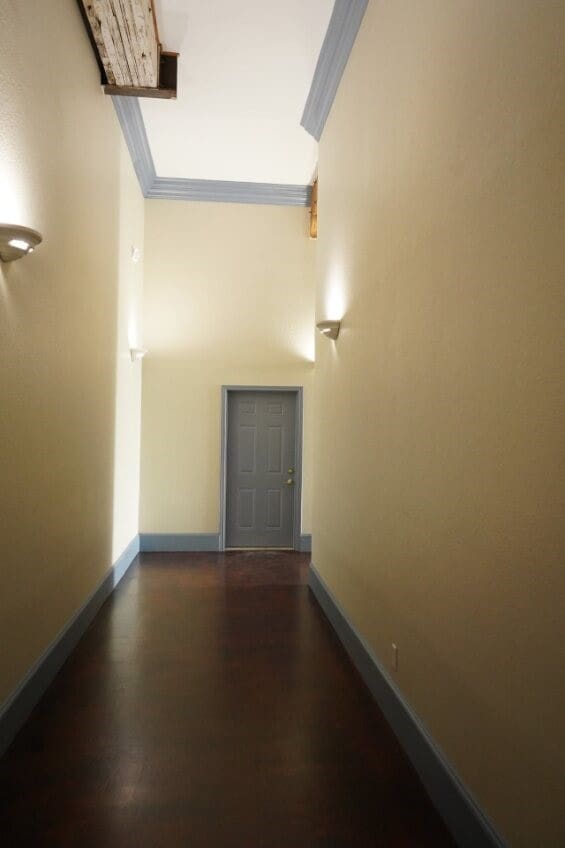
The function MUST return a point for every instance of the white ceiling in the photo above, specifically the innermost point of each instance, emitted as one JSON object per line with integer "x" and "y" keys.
{"x": 245, "y": 69}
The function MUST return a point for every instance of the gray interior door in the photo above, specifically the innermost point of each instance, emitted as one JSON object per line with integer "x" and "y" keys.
{"x": 261, "y": 469}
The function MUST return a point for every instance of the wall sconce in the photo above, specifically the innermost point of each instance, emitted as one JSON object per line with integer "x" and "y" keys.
{"x": 137, "y": 353}
{"x": 16, "y": 241}
{"x": 329, "y": 329}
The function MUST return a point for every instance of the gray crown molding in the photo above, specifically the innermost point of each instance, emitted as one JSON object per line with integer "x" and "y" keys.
{"x": 228, "y": 191}
{"x": 176, "y": 188}
{"x": 340, "y": 37}
{"x": 339, "y": 40}
{"x": 129, "y": 115}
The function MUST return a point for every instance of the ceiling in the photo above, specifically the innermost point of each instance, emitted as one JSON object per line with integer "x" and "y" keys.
{"x": 245, "y": 70}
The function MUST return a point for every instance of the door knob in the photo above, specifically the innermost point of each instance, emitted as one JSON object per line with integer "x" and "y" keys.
{"x": 290, "y": 482}
{"x": 290, "y": 470}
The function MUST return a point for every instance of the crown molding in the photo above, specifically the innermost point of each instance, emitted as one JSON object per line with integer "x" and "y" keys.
{"x": 175, "y": 188}
{"x": 129, "y": 115}
{"x": 338, "y": 42}
{"x": 340, "y": 37}
{"x": 227, "y": 191}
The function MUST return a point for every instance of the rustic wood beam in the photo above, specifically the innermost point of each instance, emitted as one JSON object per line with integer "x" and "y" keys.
{"x": 125, "y": 37}
{"x": 314, "y": 211}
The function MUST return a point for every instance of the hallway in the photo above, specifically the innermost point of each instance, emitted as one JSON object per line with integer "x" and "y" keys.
{"x": 210, "y": 705}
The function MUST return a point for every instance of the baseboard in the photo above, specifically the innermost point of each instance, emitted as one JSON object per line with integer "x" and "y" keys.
{"x": 163, "y": 542}
{"x": 125, "y": 560}
{"x": 167, "y": 542}
{"x": 462, "y": 815}
{"x": 17, "y": 707}
{"x": 305, "y": 543}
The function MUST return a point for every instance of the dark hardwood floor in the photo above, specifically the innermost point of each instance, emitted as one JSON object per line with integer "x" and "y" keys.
{"x": 210, "y": 704}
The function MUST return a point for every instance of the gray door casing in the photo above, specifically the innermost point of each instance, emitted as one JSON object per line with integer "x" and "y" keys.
{"x": 235, "y": 398}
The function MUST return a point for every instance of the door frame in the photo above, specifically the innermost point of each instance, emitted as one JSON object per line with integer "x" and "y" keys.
{"x": 298, "y": 430}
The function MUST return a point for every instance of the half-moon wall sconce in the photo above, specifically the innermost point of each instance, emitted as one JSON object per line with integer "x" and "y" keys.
{"x": 16, "y": 241}
{"x": 329, "y": 329}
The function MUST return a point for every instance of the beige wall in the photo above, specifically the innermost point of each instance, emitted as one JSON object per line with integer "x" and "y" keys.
{"x": 62, "y": 171}
{"x": 440, "y": 408}
{"x": 228, "y": 299}
{"x": 127, "y": 434}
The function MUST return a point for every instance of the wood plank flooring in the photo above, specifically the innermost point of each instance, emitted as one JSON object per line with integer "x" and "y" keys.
{"x": 211, "y": 706}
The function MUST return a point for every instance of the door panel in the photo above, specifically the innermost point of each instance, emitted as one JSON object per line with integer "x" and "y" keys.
{"x": 246, "y": 452}
{"x": 274, "y": 449}
{"x": 274, "y": 508}
{"x": 246, "y": 508}
{"x": 261, "y": 459}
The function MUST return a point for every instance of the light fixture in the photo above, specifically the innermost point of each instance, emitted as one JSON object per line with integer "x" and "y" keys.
{"x": 330, "y": 329}
{"x": 16, "y": 241}
{"x": 137, "y": 353}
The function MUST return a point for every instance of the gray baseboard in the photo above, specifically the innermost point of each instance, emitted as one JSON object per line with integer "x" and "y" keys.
{"x": 125, "y": 560}
{"x": 305, "y": 543}
{"x": 17, "y": 707}
{"x": 167, "y": 542}
{"x": 462, "y": 815}
{"x": 163, "y": 542}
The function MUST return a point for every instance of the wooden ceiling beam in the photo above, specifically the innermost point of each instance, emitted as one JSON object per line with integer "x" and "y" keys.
{"x": 314, "y": 211}
{"x": 126, "y": 40}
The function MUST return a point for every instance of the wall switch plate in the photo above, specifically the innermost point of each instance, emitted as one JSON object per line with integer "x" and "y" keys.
{"x": 394, "y": 657}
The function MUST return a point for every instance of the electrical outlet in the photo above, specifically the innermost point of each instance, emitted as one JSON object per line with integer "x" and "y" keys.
{"x": 394, "y": 657}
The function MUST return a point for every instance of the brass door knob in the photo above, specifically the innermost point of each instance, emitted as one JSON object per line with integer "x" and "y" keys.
{"x": 290, "y": 482}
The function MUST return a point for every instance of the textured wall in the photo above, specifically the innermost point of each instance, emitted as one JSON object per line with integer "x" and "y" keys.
{"x": 61, "y": 172}
{"x": 228, "y": 299}
{"x": 440, "y": 408}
